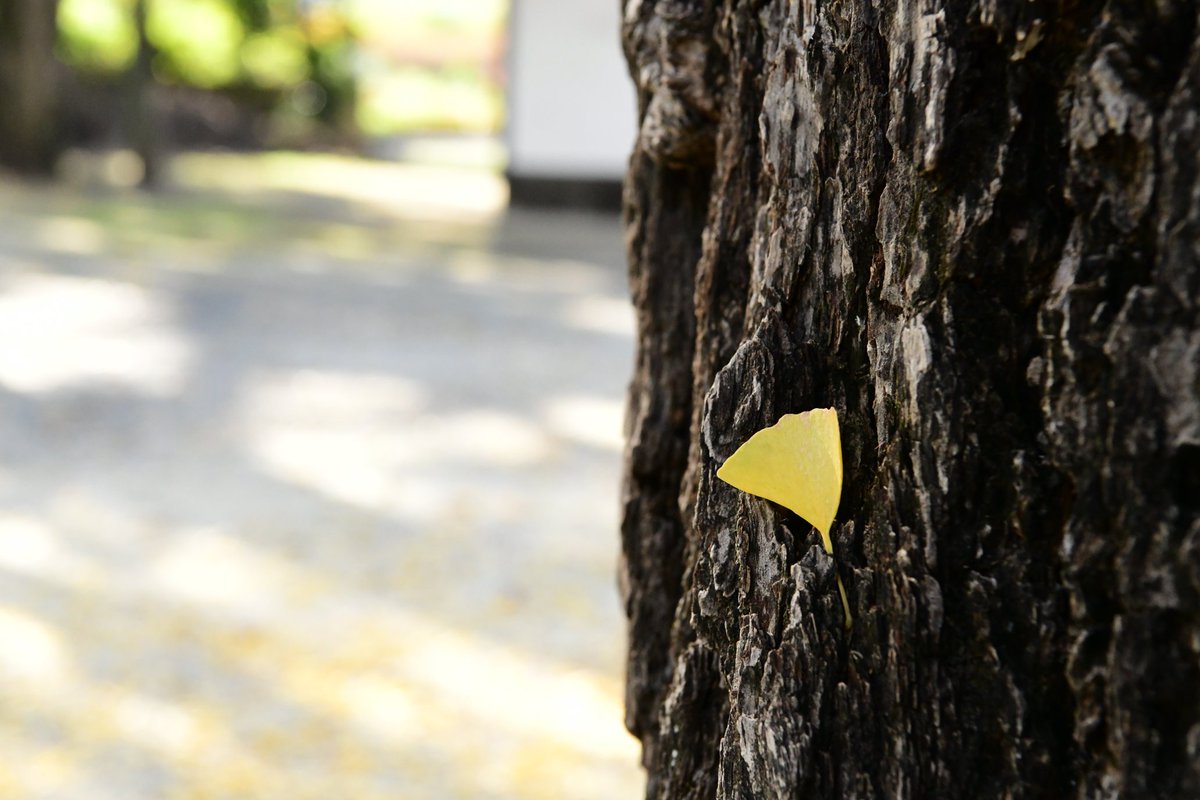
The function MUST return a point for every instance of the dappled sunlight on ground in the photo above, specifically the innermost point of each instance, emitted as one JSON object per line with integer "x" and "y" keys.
{"x": 63, "y": 330}
{"x": 303, "y": 497}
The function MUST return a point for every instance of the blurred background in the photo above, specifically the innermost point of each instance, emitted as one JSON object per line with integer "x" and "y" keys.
{"x": 314, "y": 335}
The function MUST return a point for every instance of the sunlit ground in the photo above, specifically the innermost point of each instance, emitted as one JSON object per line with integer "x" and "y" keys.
{"x": 308, "y": 489}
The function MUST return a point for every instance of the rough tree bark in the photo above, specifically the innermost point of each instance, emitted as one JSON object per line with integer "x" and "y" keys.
{"x": 29, "y": 79}
{"x": 973, "y": 228}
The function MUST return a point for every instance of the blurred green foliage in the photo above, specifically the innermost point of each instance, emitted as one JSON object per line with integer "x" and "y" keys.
{"x": 448, "y": 76}
{"x": 198, "y": 41}
{"x": 300, "y": 54}
{"x": 416, "y": 98}
{"x": 97, "y": 35}
{"x": 381, "y": 66}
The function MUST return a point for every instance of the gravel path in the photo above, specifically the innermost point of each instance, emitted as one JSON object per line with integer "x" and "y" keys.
{"x": 305, "y": 495}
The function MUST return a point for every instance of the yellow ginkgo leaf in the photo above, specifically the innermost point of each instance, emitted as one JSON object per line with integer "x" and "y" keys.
{"x": 797, "y": 463}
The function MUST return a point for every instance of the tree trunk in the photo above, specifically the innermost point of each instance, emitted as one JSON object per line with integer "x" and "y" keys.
{"x": 142, "y": 128}
{"x": 972, "y": 228}
{"x": 28, "y": 85}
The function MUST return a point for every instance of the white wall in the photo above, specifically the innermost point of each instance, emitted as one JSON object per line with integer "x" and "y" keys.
{"x": 571, "y": 105}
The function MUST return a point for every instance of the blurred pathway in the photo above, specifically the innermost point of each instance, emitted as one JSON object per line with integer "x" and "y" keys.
{"x": 308, "y": 489}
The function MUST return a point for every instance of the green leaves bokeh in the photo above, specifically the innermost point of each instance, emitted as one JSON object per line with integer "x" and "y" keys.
{"x": 342, "y": 62}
